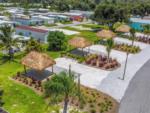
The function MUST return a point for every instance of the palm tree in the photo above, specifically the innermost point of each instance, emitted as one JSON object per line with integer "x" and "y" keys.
{"x": 146, "y": 28}
{"x": 7, "y": 40}
{"x": 109, "y": 46}
{"x": 34, "y": 45}
{"x": 132, "y": 33}
{"x": 62, "y": 85}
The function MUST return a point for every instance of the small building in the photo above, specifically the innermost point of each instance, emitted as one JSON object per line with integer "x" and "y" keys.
{"x": 46, "y": 20}
{"x": 36, "y": 33}
{"x": 59, "y": 17}
{"x": 14, "y": 10}
{"x": 137, "y": 23}
{"x": 86, "y": 14}
{"x": 4, "y": 18}
{"x": 75, "y": 16}
{"x": 42, "y": 10}
{"x": 3, "y": 22}
{"x": 26, "y": 20}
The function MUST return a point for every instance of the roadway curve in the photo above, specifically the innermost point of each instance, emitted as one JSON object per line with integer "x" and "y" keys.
{"x": 137, "y": 96}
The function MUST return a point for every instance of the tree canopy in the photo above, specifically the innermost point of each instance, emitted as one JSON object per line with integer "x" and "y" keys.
{"x": 56, "y": 40}
{"x": 110, "y": 13}
{"x": 61, "y": 85}
{"x": 33, "y": 45}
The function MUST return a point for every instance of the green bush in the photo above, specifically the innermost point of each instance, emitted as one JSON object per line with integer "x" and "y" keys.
{"x": 93, "y": 111}
{"x": 80, "y": 59}
{"x": 56, "y": 41}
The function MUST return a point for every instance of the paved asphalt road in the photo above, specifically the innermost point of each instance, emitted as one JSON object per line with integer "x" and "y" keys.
{"x": 137, "y": 96}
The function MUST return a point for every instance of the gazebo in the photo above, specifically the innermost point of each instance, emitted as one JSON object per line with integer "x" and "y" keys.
{"x": 123, "y": 28}
{"x": 37, "y": 61}
{"x": 79, "y": 42}
{"x": 106, "y": 34}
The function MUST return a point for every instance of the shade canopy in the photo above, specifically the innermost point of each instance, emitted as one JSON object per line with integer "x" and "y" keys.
{"x": 37, "y": 61}
{"x": 106, "y": 34}
{"x": 123, "y": 28}
{"x": 79, "y": 42}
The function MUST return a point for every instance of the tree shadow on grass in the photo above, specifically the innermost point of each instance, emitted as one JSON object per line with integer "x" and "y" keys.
{"x": 6, "y": 59}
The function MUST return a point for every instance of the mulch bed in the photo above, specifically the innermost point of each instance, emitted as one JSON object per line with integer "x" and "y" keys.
{"x": 102, "y": 62}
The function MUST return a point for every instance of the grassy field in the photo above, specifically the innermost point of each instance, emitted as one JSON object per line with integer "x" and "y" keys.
{"x": 18, "y": 98}
{"x": 90, "y": 35}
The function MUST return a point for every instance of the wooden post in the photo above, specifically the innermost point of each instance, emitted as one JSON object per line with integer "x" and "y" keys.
{"x": 25, "y": 71}
{"x": 79, "y": 86}
{"x": 52, "y": 69}
{"x": 82, "y": 52}
{"x": 69, "y": 69}
{"x": 88, "y": 49}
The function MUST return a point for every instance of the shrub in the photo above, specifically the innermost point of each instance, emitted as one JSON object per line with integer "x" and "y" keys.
{"x": 91, "y": 105}
{"x": 93, "y": 111}
{"x": 34, "y": 45}
{"x": 56, "y": 41}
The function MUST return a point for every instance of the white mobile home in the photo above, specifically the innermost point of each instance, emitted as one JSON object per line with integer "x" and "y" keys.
{"x": 36, "y": 33}
{"x": 46, "y": 20}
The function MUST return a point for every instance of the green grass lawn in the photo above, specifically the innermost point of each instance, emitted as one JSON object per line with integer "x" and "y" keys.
{"x": 72, "y": 29}
{"x": 50, "y": 25}
{"x": 18, "y": 98}
{"x": 94, "y": 26}
{"x": 90, "y": 35}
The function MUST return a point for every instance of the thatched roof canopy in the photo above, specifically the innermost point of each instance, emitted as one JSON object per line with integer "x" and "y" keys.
{"x": 79, "y": 42}
{"x": 123, "y": 28}
{"x": 37, "y": 61}
{"x": 106, "y": 34}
